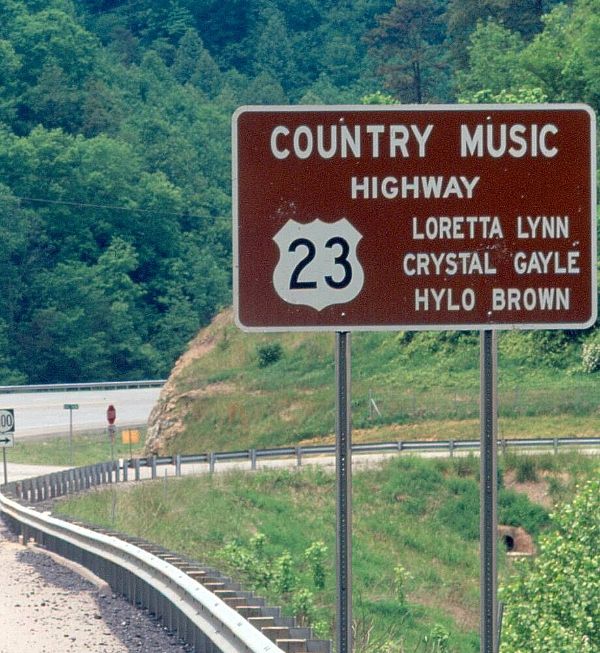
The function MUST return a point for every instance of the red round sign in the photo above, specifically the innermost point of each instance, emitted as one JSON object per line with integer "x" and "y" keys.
{"x": 111, "y": 414}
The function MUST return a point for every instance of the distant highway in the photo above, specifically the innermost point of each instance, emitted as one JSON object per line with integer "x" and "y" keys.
{"x": 39, "y": 414}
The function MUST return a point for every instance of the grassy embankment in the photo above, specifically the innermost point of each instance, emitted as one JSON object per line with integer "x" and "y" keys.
{"x": 415, "y": 541}
{"x": 84, "y": 449}
{"x": 275, "y": 390}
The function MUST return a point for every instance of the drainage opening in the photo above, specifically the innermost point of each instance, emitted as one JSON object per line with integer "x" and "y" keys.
{"x": 509, "y": 542}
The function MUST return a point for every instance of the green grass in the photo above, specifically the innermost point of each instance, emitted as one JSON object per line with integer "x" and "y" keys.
{"x": 425, "y": 385}
{"x": 85, "y": 449}
{"x": 421, "y": 514}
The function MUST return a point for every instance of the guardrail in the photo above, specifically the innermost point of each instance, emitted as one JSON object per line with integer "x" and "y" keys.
{"x": 299, "y": 452}
{"x": 50, "y": 486}
{"x": 186, "y": 607}
{"x": 93, "y": 385}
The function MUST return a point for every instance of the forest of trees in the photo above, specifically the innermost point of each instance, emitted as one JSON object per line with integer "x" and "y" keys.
{"x": 115, "y": 206}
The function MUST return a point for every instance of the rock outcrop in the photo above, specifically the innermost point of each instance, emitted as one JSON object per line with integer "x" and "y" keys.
{"x": 167, "y": 418}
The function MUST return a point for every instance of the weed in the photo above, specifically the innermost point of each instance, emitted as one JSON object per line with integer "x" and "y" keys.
{"x": 526, "y": 470}
{"x": 315, "y": 556}
{"x": 401, "y": 577}
{"x": 466, "y": 466}
{"x": 269, "y": 353}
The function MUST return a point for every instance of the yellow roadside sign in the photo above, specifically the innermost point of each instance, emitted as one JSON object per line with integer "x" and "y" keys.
{"x": 130, "y": 436}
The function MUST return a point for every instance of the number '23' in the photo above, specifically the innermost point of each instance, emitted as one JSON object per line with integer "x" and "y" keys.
{"x": 296, "y": 283}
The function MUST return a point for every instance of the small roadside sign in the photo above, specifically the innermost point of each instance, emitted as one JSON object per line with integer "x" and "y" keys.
{"x": 130, "y": 436}
{"x": 71, "y": 406}
{"x": 7, "y": 427}
{"x": 111, "y": 414}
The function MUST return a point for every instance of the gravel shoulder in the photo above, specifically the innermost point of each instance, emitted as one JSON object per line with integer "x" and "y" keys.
{"x": 46, "y": 607}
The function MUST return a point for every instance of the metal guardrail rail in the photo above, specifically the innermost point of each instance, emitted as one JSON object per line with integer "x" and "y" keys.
{"x": 212, "y": 615}
{"x": 300, "y": 452}
{"x": 184, "y": 605}
{"x": 93, "y": 385}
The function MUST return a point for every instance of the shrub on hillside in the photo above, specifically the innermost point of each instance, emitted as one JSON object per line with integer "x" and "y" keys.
{"x": 269, "y": 353}
{"x": 590, "y": 355}
{"x": 552, "y": 604}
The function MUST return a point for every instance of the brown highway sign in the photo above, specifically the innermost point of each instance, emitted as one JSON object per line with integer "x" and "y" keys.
{"x": 414, "y": 217}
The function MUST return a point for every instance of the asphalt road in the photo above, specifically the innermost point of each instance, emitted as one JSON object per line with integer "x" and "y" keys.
{"x": 43, "y": 413}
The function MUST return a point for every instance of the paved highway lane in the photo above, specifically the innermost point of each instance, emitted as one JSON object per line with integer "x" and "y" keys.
{"x": 43, "y": 413}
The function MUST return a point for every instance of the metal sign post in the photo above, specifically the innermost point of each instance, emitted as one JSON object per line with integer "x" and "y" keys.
{"x": 71, "y": 408}
{"x": 111, "y": 416}
{"x": 343, "y": 432}
{"x": 488, "y": 521}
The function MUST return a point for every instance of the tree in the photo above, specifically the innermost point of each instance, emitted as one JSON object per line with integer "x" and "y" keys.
{"x": 55, "y": 101}
{"x": 559, "y": 64}
{"x": 274, "y": 54}
{"x": 500, "y": 73}
{"x": 53, "y": 36}
{"x": 194, "y": 63}
{"x": 407, "y": 46}
{"x": 10, "y": 66}
{"x": 464, "y": 15}
{"x": 552, "y": 604}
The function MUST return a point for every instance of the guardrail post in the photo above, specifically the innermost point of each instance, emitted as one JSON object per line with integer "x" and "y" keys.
{"x": 178, "y": 465}
{"x": 555, "y": 446}
{"x": 31, "y": 491}
{"x": 298, "y": 456}
{"x": 253, "y": 459}
{"x": 451, "y": 448}
{"x": 400, "y": 445}
{"x": 136, "y": 465}
{"x": 125, "y": 471}
{"x": 153, "y": 467}
{"x": 211, "y": 462}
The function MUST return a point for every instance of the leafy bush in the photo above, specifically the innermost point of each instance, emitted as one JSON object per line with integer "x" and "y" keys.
{"x": 552, "y": 604}
{"x": 590, "y": 356}
{"x": 549, "y": 348}
{"x": 303, "y": 606}
{"x": 315, "y": 556}
{"x": 282, "y": 574}
{"x": 269, "y": 353}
